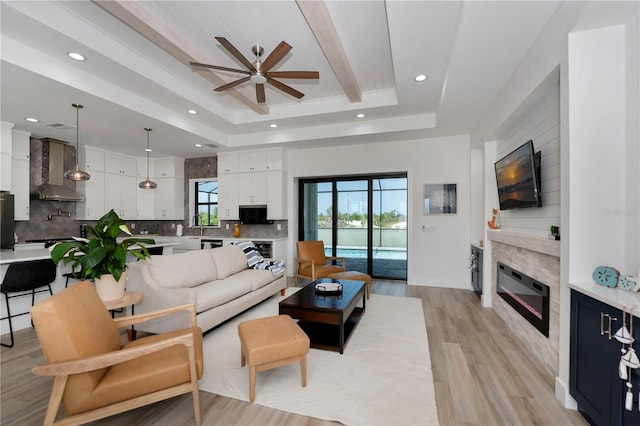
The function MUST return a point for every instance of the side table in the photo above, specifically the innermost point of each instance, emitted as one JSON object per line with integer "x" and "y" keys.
{"x": 129, "y": 298}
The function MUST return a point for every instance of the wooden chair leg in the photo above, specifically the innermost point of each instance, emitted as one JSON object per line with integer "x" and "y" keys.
{"x": 252, "y": 383}
{"x": 57, "y": 391}
{"x": 303, "y": 371}
{"x": 194, "y": 384}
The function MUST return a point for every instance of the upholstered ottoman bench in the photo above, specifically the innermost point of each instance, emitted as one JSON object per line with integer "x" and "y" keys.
{"x": 272, "y": 342}
{"x": 355, "y": 276}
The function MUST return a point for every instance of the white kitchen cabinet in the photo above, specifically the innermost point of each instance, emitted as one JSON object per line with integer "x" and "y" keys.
{"x": 20, "y": 145}
{"x": 6, "y": 177}
{"x": 260, "y": 160}
{"x": 252, "y": 188}
{"x": 276, "y": 200}
{"x": 93, "y": 207}
{"x": 169, "y": 198}
{"x": 120, "y": 195}
{"x": 20, "y": 173}
{"x": 168, "y": 167}
{"x": 145, "y": 203}
{"x": 252, "y": 161}
{"x": 20, "y": 188}
{"x": 227, "y": 163}
{"x": 93, "y": 159}
{"x": 141, "y": 168}
{"x": 228, "y": 197}
{"x": 120, "y": 164}
{"x": 275, "y": 159}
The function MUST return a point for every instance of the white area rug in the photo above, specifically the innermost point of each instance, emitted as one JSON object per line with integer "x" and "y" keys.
{"x": 383, "y": 378}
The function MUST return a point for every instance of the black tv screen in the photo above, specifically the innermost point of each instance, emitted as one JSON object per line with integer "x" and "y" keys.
{"x": 518, "y": 178}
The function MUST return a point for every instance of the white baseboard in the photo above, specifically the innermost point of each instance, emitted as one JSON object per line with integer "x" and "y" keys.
{"x": 562, "y": 394}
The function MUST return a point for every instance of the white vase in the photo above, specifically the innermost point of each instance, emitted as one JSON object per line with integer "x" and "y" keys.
{"x": 109, "y": 289}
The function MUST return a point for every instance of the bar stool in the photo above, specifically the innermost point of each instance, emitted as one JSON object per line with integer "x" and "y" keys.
{"x": 72, "y": 275}
{"x": 25, "y": 277}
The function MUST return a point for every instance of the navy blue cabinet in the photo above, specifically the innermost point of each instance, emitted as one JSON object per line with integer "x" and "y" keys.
{"x": 595, "y": 356}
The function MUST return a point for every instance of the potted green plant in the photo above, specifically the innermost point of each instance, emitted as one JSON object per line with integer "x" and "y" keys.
{"x": 103, "y": 256}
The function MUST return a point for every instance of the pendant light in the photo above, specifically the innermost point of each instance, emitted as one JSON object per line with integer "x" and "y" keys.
{"x": 148, "y": 184}
{"x": 77, "y": 174}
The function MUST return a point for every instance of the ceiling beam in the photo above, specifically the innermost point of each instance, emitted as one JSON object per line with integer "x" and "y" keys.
{"x": 319, "y": 19}
{"x": 131, "y": 16}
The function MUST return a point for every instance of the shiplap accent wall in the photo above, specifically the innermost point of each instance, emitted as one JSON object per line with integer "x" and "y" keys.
{"x": 537, "y": 119}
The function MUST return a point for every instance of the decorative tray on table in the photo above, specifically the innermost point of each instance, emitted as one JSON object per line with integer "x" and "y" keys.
{"x": 328, "y": 286}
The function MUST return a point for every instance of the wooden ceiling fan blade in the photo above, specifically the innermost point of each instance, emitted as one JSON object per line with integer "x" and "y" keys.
{"x": 216, "y": 67}
{"x": 295, "y": 74}
{"x": 260, "y": 93}
{"x": 287, "y": 89}
{"x": 236, "y": 53}
{"x": 232, "y": 84}
{"x": 275, "y": 56}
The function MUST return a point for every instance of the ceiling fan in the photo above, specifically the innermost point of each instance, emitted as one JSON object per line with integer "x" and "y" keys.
{"x": 258, "y": 72}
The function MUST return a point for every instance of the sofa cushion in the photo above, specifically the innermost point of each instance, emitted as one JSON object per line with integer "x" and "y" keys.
{"x": 229, "y": 260}
{"x": 257, "y": 277}
{"x": 218, "y": 292}
{"x": 182, "y": 270}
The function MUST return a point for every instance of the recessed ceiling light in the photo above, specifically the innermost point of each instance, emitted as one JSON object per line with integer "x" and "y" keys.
{"x": 192, "y": 111}
{"x": 273, "y": 125}
{"x": 148, "y": 149}
{"x": 198, "y": 145}
{"x": 361, "y": 115}
{"x": 76, "y": 56}
{"x": 421, "y": 77}
{"x": 33, "y": 120}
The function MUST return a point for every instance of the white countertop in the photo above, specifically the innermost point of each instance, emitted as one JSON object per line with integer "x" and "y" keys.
{"x": 7, "y": 257}
{"x": 615, "y": 297}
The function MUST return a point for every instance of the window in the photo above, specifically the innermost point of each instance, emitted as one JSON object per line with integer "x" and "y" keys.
{"x": 204, "y": 202}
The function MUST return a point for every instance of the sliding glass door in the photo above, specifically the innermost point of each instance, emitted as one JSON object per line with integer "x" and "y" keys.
{"x": 360, "y": 218}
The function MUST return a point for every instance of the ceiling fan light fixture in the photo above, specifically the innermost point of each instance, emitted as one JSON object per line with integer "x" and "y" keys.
{"x": 148, "y": 183}
{"x": 258, "y": 78}
{"x": 77, "y": 174}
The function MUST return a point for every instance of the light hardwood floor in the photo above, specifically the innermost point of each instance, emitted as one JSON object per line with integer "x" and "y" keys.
{"x": 482, "y": 374}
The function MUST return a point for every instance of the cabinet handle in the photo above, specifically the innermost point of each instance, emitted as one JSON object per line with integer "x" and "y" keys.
{"x": 602, "y": 315}
{"x": 611, "y": 319}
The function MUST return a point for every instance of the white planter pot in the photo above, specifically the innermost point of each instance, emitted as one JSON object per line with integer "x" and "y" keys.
{"x": 110, "y": 289}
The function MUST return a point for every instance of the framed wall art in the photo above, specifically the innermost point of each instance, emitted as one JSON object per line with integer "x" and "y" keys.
{"x": 440, "y": 198}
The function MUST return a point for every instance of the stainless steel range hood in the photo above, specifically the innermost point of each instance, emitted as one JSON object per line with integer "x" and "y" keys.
{"x": 53, "y": 189}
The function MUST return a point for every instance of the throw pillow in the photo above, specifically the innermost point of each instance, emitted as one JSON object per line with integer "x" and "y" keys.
{"x": 252, "y": 253}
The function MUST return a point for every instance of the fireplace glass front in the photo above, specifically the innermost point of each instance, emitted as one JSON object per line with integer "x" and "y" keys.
{"x": 527, "y": 296}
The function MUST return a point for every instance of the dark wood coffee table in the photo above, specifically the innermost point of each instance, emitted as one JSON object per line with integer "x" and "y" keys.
{"x": 328, "y": 319}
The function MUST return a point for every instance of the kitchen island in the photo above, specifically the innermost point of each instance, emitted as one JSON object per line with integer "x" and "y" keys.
{"x": 25, "y": 252}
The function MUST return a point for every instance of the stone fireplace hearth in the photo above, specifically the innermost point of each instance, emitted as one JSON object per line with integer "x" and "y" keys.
{"x": 539, "y": 260}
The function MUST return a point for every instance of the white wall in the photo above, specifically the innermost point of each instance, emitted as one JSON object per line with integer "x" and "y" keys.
{"x": 478, "y": 223}
{"x": 438, "y": 245}
{"x": 549, "y": 52}
{"x": 537, "y": 119}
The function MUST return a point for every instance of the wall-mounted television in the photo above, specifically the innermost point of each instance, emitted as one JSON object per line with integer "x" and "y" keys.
{"x": 518, "y": 178}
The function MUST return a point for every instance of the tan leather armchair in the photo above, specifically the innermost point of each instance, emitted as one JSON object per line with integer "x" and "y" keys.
{"x": 94, "y": 375}
{"x": 311, "y": 261}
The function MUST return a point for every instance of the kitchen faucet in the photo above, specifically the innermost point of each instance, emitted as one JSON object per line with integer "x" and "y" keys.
{"x": 50, "y": 216}
{"x": 196, "y": 222}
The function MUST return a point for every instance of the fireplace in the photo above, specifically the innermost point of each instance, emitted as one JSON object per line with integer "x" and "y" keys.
{"x": 527, "y": 296}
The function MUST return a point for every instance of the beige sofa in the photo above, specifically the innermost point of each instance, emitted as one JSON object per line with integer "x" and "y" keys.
{"x": 217, "y": 281}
